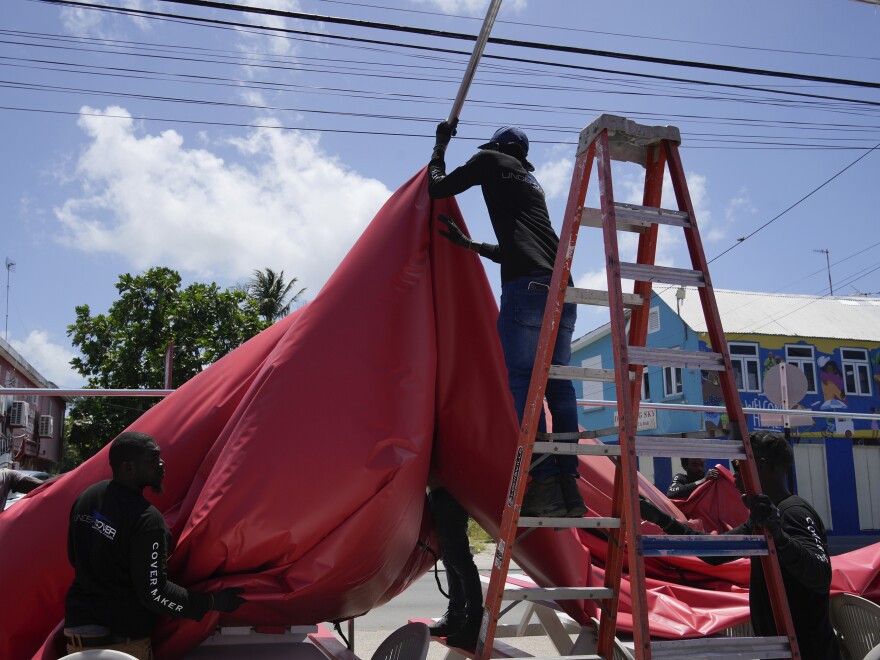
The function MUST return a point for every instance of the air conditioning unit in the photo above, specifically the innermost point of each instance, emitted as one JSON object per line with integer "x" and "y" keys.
{"x": 19, "y": 413}
{"x": 47, "y": 425}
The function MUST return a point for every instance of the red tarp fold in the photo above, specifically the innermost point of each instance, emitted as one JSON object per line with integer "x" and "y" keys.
{"x": 296, "y": 465}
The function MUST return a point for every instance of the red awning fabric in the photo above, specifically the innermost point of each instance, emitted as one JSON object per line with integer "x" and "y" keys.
{"x": 715, "y": 505}
{"x": 297, "y": 464}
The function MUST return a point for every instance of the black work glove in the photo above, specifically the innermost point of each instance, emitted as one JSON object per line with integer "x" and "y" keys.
{"x": 453, "y": 233}
{"x": 445, "y": 131}
{"x": 764, "y": 514}
{"x": 651, "y": 513}
{"x": 227, "y": 600}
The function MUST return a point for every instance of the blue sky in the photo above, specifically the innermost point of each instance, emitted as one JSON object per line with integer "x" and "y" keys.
{"x": 131, "y": 142}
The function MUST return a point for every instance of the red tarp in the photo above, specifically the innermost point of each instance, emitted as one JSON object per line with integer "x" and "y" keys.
{"x": 715, "y": 505}
{"x": 296, "y": 465}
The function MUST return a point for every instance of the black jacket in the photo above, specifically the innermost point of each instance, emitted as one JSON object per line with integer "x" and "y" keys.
{"x": 806, "y": 574}
{"x": 118, "y": 545}
{"x": 682, "y": 486}
{"x": 527, "y": 242}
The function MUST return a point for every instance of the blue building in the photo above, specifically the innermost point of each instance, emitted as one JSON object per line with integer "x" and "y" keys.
{"x": 833, "y": 341}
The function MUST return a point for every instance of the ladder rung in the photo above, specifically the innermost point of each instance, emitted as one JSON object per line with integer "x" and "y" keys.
{"x": 737, "y": 648}
{"x": 632, "y": 217}
{"x": 582, "y": 373}
{"x": 661, "y": 274}
{"x": 655, "y": 445}
{"x": 565, "y": 523}
{"x": 717, "y": 433}
{"x": 558, "y": 593}
{"x": 671, "y": 357}
{"x": 599, "y": 297}
{"x": 571, "y": 448}
{"x": 703, "y": 545}
{"x": 568, "y": 437}
{"x": 566, "y": 657}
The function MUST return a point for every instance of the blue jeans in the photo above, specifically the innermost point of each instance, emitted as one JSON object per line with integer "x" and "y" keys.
{"x": 519, "y": 327}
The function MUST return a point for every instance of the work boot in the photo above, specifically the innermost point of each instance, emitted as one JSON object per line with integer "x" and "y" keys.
{"x": 450, "y": 622}
{"x": 574, "y": 503}
{"x": 466, "y": 637}
{"x": 543, "y": 499}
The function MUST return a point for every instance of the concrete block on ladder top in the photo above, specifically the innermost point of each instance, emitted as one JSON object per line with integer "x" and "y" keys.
{"x": 627, "y": 140}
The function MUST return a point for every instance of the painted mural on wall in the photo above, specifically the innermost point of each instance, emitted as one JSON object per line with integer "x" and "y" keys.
{"x": 841, "y": 378}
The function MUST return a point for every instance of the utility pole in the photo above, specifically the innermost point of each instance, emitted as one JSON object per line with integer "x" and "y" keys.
{"x": 10, "y": 267}
{"x": 825, "y": 251}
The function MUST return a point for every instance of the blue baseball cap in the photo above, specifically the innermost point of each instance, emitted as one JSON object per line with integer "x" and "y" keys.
{"x": 509, "y": 135}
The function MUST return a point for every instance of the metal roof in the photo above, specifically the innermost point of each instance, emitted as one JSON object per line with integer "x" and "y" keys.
{"x": 785, "y": 314}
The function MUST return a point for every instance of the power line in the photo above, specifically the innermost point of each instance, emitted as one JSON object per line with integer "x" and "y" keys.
{"x": 805, "y": 197}
{"x": 496, "y": 40}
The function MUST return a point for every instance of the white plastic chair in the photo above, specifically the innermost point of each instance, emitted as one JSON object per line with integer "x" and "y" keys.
{"x": 407, "y": 643}
{"x": 99, "y": 654}
{"x": 874, "y": 653}
{"x": 857, "y": 622}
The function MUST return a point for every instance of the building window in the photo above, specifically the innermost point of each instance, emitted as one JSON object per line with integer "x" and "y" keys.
{"x": 867, "y": 464}
{"x": 672, "y": 384}
{"x": 654, "y": 320}
{"x": 803, "y": 358}
{"x": 856, "y": 371}
{"x": 593, "y": 389}
{"x": 746, "y": 368}
{"x": 646, "y": 386}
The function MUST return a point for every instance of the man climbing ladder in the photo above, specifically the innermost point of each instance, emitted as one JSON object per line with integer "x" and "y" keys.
{"x": 526, "y": 250}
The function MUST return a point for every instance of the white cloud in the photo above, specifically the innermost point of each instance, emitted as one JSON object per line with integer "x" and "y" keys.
{"x": 555, "y": 177}
{"x": 285, "y": 203}
{"x": 274, "y": 43}
{"x": 737, "y": 207}
{"x": 470, "y": 6}
{"x": 52, "y": 361}
{"x": 106, "y": 25}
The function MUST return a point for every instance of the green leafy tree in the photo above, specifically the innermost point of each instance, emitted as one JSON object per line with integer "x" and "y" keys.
{"x": 125, "y": 348}
{"x": 272, "y": 294}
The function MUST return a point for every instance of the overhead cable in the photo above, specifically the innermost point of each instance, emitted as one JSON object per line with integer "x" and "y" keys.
{"x": 496, "y": 40}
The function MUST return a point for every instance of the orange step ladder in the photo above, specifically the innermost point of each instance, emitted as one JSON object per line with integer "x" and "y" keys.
{"x": 655, "y": 147}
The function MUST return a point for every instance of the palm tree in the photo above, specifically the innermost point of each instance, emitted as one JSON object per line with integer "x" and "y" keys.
{"x": 272, "y": 294}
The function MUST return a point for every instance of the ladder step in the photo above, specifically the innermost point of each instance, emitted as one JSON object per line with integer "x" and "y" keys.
{"x": 570, "y": 448}
{"x": 735, "y": 648}
{"x": 580, "y": 435}
{"x": 661, "y": 274}
{"x": 599, "y": 297}
{"x": 703, "y": 545}
{"x": 570, "y": 523}
{"x": 582, "y": 373}
{"x": 558, "y": 593}
{"x": 671, "y": 357}
{"x": 632, "y": 217}
{"x": 655, "y": 445}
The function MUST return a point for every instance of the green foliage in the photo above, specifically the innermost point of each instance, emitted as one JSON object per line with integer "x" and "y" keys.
{"x": 125, "y": 348}
{"x": 272, "y": 294}
{"x": 477, "y": 536}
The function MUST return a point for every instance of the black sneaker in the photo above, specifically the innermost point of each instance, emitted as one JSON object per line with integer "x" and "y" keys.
{"x": 467, "y": 636}
{"x": 543, "y": 499}
{"x": 450, "y": 622}
{"x": 574, "y": 503}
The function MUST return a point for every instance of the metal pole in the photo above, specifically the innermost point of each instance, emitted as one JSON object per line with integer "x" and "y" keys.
{"x": 826, "y": 252}
{"x": 483, "y": 37}
{"x": 10, "y": 266}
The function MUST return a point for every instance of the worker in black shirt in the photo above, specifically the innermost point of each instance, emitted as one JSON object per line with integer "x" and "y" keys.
{"x": 526, "y": 250}
{"x": 118, "y": 545}
{"x": 801, "y": 544}
{"x": 694, "y": 476}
